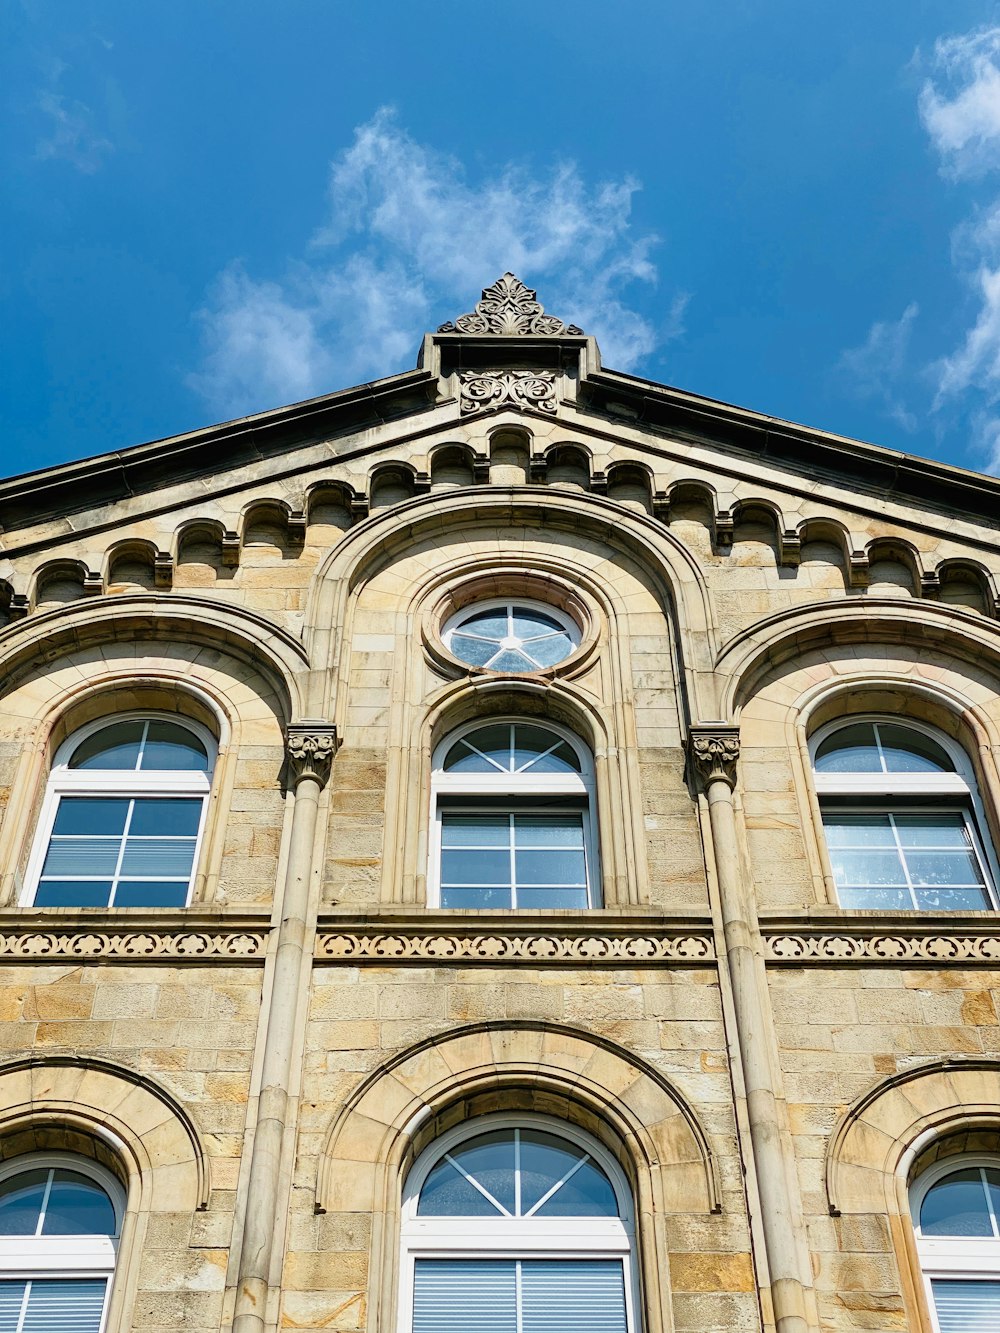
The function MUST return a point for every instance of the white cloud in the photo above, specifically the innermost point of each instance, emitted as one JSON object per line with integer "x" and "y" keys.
{"x": 876, "y": 368}
{"x": 976, "y": 364}
{"x": 73, "y": 135}
{"x": 407, "y": 236}
{"x": 963, "y": 117}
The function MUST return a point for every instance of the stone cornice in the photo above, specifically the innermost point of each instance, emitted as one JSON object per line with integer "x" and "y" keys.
{"x": 898, "y": 939}
{"x": 135, "y": 939}
{"x": 633, "y": 941}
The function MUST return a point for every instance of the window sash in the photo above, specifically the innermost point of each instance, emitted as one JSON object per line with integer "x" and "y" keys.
{"x": 53, "y": 1305}
{"x": 966, "y": 1304}
{"x": 515, "y": 1295}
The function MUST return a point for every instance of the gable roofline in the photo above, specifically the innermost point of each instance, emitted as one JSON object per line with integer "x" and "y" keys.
{"x": 614, "y": 396}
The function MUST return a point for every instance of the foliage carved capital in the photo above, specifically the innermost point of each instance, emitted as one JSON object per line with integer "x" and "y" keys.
{"x": 714, "y": 748}
{"x": 310, "y": 746}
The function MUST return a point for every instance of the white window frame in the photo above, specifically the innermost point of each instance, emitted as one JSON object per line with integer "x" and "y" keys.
{"x": 454, "y": 624}
{"x": 878, "y": 792}
{"x": 521, "y": 1237}
{"x": 123, "y": 783}
{"x": 962, "y": 1258}
{"x": 527, "y": 792}
{"x": 64, "y": 1257}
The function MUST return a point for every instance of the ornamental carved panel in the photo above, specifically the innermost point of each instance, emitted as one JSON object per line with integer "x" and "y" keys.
{"x": 483, "y": 391}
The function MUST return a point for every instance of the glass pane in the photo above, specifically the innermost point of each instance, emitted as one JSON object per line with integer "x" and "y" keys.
{"x": 857, "y": 830}
{"x": 477, "y": 652}
{"x": 529, "y": 623}
{"x": 493, "y": 741}
{"x": 937, "y": 830}
{"x": 943, "y": 868}
{"x": 487, "y": 624}
{"x": 562, "y": 759}
{"x": 460, "y": 898}
{"x": 860, "y": 868}
{"x": 876, "y": 900}
{"x": 967, "y": 1306}
{"x": 510, "y": 660}
{"x": 77, "y": 1206}
{"x": 909, "y": 751}
{"x": 447, "y": 1193}
{"x": 460, "y": 866}
{"x": 550, "y": 899}
{"x": 170, "y": 747}
{"x": 82, "y": 856}
{"x": 545, "y": 1159}
{"x": 91, "y": 815}
{"x": 849, "y": 750}
{"x": 489, "y": 1159}
{"x": 166, "y": 816}
{"x": 64, "y": 1305}
{"x": 165, "y": 858}
{"x": 465, "y": 1296}
{"x": 952, "y": 900}
{"x": 21, "y": 1202}
{"x": 73, "y": 893}
{"x": 475, "y": 831}
{"x": 956, "y": 1206}
{"x": 529, "y": 743}
{"x": 152, "y": 893}
{"x": 558, "y": 866}
{"x": 587, "y": 1193}
{"x": 550, "y": 650}
{"x": 548, "y": 830}
{"x": 115, "y": 747}
{"x": 460, "y": 759}
{"x": 572, "y": 1296}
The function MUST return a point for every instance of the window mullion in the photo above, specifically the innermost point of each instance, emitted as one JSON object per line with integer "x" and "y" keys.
{"x": 989, "y": 1203}
{"x": 902, "y": 860}
{"x": 518, "y": 1296}
{"x": 517, "y": 1173}
{"x": 121, "y": 853}
{"x": 43, "y": 1206}
{"x": 878, "y": 743}
{"x": 22, "y": 1314}
{"x": 142, "y": 746}
{"x": 511, "y": 858}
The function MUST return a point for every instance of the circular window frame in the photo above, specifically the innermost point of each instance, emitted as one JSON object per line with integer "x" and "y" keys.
{"x": 563, "y": 619}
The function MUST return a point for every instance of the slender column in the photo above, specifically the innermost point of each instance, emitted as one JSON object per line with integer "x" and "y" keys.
{"x": 310, "y": 747}
{"x": 714, "y": 750}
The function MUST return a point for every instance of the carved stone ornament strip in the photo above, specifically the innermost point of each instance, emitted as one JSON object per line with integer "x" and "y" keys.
{"x": 135, "y": 945}
{"x": 482, "y": 391}
{"x": 488, "y": 947}
{"x": 510, "y": 309}
{"x": 895, "y": 947}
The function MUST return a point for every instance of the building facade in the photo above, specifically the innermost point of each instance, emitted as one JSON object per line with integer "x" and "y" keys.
{"x": 507, "y": 847}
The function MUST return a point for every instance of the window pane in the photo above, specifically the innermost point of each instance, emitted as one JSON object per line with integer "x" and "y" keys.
{"x": 170, "y": 747}
{"x": 909, "y": 751}
{"x": 548, "y": 830}
{"x": 462, "y": 1295}
{"x": 447, "y": 1193}
{"x": 559, "y": 866}
{"x": 77, "y": 1206}
{"x": 529, "y": 743}
{"x": 937, "y": 830}
{"x": 91, "y": 815}
{"x": 857, "y": 830}
{"x": 956, "y": 1206}
{"x": 562, "y": 759}
{"x": 166, "y": 858}
{"x": 510, "y": 660}
{"x": 114, "y": 747}
{"x": 587, "y": 1193}
{"x": 856, "y": 869}
{"x": 65, "y": 1305}
{"x": 460, "y": 898}
{"x": 530, "y": 624}
{"x": 166, "y": 816}
{"x": 21, "y": 1202}
{"x": 545, "y": 1161}
{"x": 551, "y": 899}
{"x": 152, "y": 893}
{"x": 572, "y": 1296}
{"x": 82, "y": 856}
{"x": 550, "y": 650}
{"x": 475, "y": 831}
{"x": 952, "y": 900}
{"x": 849, "y": 750}
{"x": 487, "y": 624}
{"x": 72, "y": 893}
{"x": 967, "y": 1306}
{"x": 489, "y": 1158}
{"x": 477, "y": 652}
{"x": 492, "y": 741}
{"x": 943, "y": 868}
{"x": 475, "y": 867}
{"x": 876, "y": 900}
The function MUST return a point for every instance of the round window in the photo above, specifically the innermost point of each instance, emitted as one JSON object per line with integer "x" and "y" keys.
{"x": 511, "y": 636}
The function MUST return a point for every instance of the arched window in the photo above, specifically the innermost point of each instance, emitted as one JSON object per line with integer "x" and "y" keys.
{"x": 904, "y": 825}
{"x": 60, "y": 1221}
{"x": 123, "y": 816}
{"x": 514, "y": 636}
{"x": 956, "y": 1216}
{"x": 517, "y": 1226}
{"x": 513, "y": 821}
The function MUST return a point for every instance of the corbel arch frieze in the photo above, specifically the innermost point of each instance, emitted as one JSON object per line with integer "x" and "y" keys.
{"x": 369, "y": 545}
{"x": 546, "y": 1068}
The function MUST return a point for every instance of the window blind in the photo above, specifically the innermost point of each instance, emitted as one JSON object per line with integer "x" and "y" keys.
{"x": 519, "y": 1296}
{"x": 967, "y": 1306}
{"x": 52, "y": 1305}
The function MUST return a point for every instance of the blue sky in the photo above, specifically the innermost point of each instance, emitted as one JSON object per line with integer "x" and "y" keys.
{"x": 214, "y": 208}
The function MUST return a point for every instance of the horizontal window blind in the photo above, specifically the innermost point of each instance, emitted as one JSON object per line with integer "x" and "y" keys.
{"x": 967, "y": 1306}
{"x": 519, "y": 1296}
{"x": 52, "y": 1305}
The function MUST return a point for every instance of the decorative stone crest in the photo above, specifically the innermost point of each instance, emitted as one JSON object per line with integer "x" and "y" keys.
{"x": 484, "y": 391}
{"x": 714, "y": 748}
{"x": 511, "y": 309}
{"x": 310, "y": 746}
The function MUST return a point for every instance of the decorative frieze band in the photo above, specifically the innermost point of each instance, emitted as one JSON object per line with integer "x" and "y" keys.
{"x": 894, "y": 946}
{"x": 482, "y": 391}
{"x": 134, "y": 945}
{"x": 428, "y": 946}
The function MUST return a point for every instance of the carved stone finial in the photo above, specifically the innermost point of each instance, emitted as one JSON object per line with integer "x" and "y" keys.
{"x": 714, "y": 748}
{"x": 310, "y": 746}
{"x": 509, "y": 308}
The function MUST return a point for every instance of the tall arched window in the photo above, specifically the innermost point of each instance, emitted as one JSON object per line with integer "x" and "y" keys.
{"x": 517, "y": 1226}
{"x": 513, "y": 819}
{"x": 904, "y": 824}
{"x": 956, "y": 1216}
{"x": 123, "y": 815}
{"x": 60, "y": 1221}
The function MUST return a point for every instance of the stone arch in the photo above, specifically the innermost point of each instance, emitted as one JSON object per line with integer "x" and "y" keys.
{"x": 968, "y": 584}
{"x": 893, "y": 568}
{"x": 568, "y": 465}
{"x": 549, "y": 1068}
{"x": 452, "y": 465}
{"x": 631, "y": 484}
{"x": 59, "y": 582}
{"x": 391, "y": 484}
{"x": 510, "y": 455}
{"x": 130, "y": 565}
{"x": 269, "y": 526}
{"x": 201, "y": 553}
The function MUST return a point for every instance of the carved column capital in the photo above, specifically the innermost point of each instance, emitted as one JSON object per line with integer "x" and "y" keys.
{"x": 310, "y": 746}
{"x": 714, "y": 748}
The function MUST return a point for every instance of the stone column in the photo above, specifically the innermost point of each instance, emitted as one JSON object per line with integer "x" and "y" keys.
{"x": 714, "y": 749}
{"x": 310, "y": 746}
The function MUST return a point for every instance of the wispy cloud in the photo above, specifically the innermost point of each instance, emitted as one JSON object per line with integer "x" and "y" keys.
{"x": 878, "y": 367}
{"x": 960, "y": 102}
{"x": 73, "y": 135}
{"x": 407, "y": 235}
